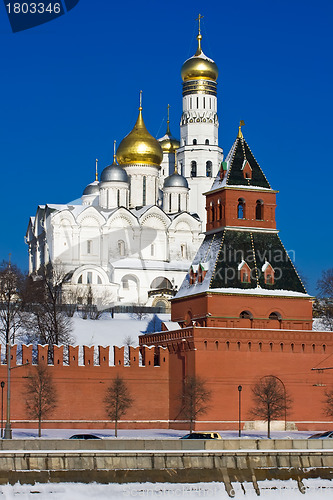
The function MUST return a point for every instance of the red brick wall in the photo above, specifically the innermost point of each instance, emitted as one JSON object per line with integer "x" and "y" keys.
{"x": 81, "y": 388}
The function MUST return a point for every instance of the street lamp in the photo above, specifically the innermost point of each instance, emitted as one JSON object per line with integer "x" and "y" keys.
{"x": 239, "y": 411}
{"x": 2, "y": 386}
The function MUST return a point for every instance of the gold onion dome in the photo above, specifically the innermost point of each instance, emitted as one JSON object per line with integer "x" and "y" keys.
{"x": 199, "y": 67}
{"x": 168, "y": 143}
{"x": 139, "y": 146}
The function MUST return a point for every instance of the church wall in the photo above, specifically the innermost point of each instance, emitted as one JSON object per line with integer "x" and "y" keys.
{"x": 224, "y": 310}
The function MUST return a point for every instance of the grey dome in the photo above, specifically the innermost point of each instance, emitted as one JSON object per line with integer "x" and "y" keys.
{"x": 114, "y": 172}
{"x": 175, "y": 180}
{"x": 92, "y": 188}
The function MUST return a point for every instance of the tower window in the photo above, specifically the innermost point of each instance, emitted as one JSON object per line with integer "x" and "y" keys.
{"x": 204, "y": 102}
{"x": 207, "y": 142}
{"x": 179, "y": 203}
{"x": 209, "y": 168}
{"x": 144, "y": 186}
{"x": 118, "y": 198}
{"x": 241, "y": 208}
{"x": 197, "y": 102}
{"x": 194, "y": 142}
{"x": 170, "y": 200}
{"x": 193, "y": 168}
{"x": 259, "y": 210}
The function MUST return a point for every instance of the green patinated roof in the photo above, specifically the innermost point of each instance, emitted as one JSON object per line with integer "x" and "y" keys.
{"x": 241, "y": 152}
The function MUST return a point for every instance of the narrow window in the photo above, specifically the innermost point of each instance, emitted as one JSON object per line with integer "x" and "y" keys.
{"x": 205, "y": 345}
{"x": 198, "y": 102}
{"x": 194, "y": 142}
{"x": 207, "y": 142}
{"x": 313, "y": 348}
{"x": 118, "y": 198}
{"x": 99, "y": 281}
{"x": 303, "y": 347}
{"x": 121, "y": 248}
{"x": 281, "y": 346}
{"x": 271, "y": 346}
{"x": 241, "y": 209}
{"x": 204, "y": 102}
{"x": 183, "y": 251}
{"x": 292, "y": 347}
{"x": 179, "y": 202}
{"x": 249, "y": 346}
{"x": 259, "y": 210}
{"x": 216, "y": 345}
{"x": 193, "y": 168}
{"x": 260, "y": 346}
{"x": 324, "y": 348}
{"x": 89, "y": 277}
{"x": 80, "y": 279}
{"x": 144, "y": 191}
{"x": 220, "y": 209}
{"x": 238, "y": 346}
{"x": 170, "y": 200}
{"x": 212, "y": 209}
{"x": 89, "y": 246}
{"x": 152, "y": 249}
{"x": 227, "y": 345}
{"x": 209, "y": 168}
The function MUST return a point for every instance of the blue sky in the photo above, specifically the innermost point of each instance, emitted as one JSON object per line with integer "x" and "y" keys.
{"x": 70, "y": 87}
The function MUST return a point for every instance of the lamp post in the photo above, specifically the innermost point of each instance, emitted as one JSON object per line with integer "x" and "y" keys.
{"x": 8, "y": 427}
{"x": 239, "y": 410}
{"x": 2, "y": 386}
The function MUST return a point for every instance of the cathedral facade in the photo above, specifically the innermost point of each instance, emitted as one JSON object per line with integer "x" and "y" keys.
{"x": 132, "y": 235}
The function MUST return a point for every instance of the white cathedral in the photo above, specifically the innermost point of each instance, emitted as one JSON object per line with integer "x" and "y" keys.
{"x": 132, "y": 236}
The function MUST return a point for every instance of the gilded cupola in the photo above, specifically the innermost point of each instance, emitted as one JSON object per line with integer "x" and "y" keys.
{"x": 139, "y": 146}
{"x": 168, "y": 143}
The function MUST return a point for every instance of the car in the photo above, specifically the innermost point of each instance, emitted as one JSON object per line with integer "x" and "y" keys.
{"x": 202, "y": 435}
{"x": 84, "y": 436}
{"x": 322, "y": 435}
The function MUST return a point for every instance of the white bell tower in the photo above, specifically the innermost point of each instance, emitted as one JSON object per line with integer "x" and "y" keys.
{"x": 199, "y": 155}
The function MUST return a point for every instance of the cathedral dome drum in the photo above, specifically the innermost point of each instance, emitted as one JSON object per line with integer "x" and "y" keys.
{"x": 139, "y": 146}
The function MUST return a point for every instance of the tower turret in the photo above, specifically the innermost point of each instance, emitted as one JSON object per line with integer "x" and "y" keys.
{"x": 114, "y": 185}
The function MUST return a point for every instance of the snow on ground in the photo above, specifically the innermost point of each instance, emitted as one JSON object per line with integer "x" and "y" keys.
{"x": 153, "y": 434}
{"x": 113, "y": 331}
{"x": 316, "y": 489}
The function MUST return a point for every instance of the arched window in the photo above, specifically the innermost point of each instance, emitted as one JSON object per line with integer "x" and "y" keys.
{"x": 179, "y": 203}
{"x": 193, "y": 168}
{"x": 259, "y": 210}
{"x": 99, "y": 280}
{"x": 144, "y": 187}
{"x": 161, "y": 282}
{"x": 121, "y": 248}
{"x": 209, "y": 168}
{"x": 246, "y": 315}
{"x": 212, "y": 212}
{"x": 207, "y": 142}
{"x": 80, "y": 279}
{"x": 275, "y": 316}
{"x": 241, "y": 208}
{"x": 219, "y": 204}
{"x": 118, "y": 198}
{"x": 194, "y": 142}
{"x": 170, "y": 200}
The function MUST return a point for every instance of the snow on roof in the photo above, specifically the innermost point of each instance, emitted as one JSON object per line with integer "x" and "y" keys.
{"x": 171, "y": 325}
{"x": 135, "y": 263}
{"x": 248, "y": 291}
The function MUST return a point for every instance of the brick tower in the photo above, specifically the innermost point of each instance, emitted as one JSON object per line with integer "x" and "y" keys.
{"x": 242, "y": 275}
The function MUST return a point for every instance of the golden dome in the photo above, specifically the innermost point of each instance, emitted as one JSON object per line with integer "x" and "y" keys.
{"x": 199, "y": 67}
{"x": 168, "y": 143}
{"x": 139, "y": 146}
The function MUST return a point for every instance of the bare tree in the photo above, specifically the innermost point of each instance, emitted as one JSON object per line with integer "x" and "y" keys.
{"x": 194, "y": 398}
{"x": 328, "y": 403}
{"x": 128, "y": 342}
{"x": 270, "y": 399}
{"x": 323, "y": 307}
{"x": 117, "y": 401}
{"x": 48, "y": 323}
{"x": 40, "y": 395}
{"x": 12, "y": 287}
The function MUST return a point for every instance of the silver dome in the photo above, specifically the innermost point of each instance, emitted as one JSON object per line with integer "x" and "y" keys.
{"x": 175, "y": 180}
{"x": 114, "y": 172}
{"x": 92, "y": 188}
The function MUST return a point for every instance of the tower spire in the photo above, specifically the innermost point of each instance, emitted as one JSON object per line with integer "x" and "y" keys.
{"x": 199, "y": 37}
{"x": 168, "y": 120}
{"x": 240, "y": 133}
{"x": 96, "y": 170}
{"x": 140, "y": 108}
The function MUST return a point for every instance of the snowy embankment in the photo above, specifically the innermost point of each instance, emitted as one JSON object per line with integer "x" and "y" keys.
{"x": 316, "y": 489}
